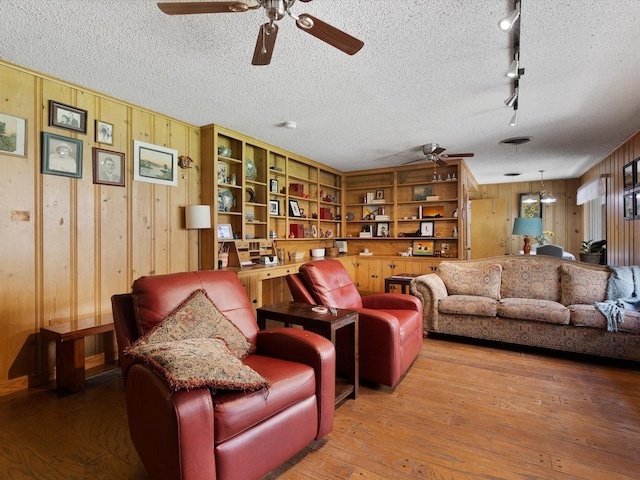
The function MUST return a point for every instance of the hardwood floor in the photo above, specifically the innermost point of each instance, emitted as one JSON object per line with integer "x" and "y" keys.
{"x": 462, "y": 412}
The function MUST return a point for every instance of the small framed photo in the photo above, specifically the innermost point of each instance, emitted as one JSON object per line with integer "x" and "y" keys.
{"x": 379, "y": 194}
{"x": 104, "y": 132}
{"x": 294, "y": 209}
{"x": 382, "y": 229}
{"x": 155, "y": 164}
{"x": 426, "y": 229}
{"x": 225, "y": 232}
{"x": 637, "y": 168}
{"x": 273, "y": 185}
{"x": 67, "y": 117}
{"x": 274, "y": 207}
{"x": 13, "y": 135}
{"x": 628, "y": 176}
{"x": 629, "y": 206}
{"x": 423, "y": 247}
{"x": 61, "y": 155}
{"x": 108, "y": 167}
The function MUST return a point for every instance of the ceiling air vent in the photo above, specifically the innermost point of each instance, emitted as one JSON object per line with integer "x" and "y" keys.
{"x": 515, "y": 141}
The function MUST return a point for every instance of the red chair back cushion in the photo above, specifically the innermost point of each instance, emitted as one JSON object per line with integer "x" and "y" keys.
{"x": 329, "y": 284}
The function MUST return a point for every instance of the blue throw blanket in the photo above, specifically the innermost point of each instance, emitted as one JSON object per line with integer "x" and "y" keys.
{"x": 623, "y": 292}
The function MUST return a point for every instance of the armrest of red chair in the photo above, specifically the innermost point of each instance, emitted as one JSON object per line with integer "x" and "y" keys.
{"x": 306, "y": 347}
{"x": 392, "y": 301}
{"x": 172, "y": 432}
{"x": 381, "y": 329}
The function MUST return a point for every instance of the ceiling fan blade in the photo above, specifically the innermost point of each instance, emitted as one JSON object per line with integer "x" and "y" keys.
{"x": 438, "y": 150}
{"x": 441, "y": 162}
{"x": 264, "y": 44}
{"x": 331, "y": 35}
{"x": 457, "y": 155}
{"x": 187, "y": 8}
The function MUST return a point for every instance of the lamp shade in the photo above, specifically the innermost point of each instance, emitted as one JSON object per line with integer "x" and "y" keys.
{"x": 197, "y": 216}
{"x": 529, "y": 227}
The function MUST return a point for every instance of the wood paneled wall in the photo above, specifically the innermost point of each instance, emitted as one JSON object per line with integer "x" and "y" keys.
{"x": 67, "y": 244}
{"x": 623, "y": 236}
{"x": 563, "y": 218}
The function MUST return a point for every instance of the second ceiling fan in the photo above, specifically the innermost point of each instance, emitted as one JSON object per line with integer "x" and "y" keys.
{"x": 275, "y": 10}
{"x": 433, "y": 153}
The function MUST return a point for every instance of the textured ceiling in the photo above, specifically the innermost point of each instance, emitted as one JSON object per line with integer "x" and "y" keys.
{"x": 430, "y": 71}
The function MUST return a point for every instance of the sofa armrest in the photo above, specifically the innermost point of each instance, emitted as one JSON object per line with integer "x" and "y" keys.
{"x": 429, "y": 289}
{"x": 391, "y": 301}
{"x": 172, "y": 432}
{"x": 306, "y": 347}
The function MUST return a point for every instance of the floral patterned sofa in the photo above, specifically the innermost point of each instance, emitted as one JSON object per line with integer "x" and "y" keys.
{"x": 537, "y": 300}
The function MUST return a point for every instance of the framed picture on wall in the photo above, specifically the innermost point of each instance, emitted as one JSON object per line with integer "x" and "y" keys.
{"x": 530, "y": 209}
{"x": 108, "y": 167}
{"x": 628, "y": 175}
{"x": 629, "y": 206}
{"x": 13, "y": 135}
{"x": 104, "y": 132}
{"x": 67, "y": 117}
{"x": 61, "y": 155}
{"x": 637, "y": 170}
{"x": 155, "y": 164}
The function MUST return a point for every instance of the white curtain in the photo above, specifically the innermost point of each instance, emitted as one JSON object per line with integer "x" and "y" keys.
{"x": 596, "y": 188}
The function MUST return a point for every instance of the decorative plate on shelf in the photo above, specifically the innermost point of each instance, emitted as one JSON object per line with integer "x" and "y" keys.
{"x": 314, "y": 231}
{"x": 251, "y": 195}
{"x": 349, "y": 216}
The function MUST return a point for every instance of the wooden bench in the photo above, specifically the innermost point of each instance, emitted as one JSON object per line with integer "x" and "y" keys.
{"x": 69, "y": 338}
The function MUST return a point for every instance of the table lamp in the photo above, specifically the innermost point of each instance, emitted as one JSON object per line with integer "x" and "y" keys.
{"x": 197, "y": 217}
{"x": 529, "y": 227}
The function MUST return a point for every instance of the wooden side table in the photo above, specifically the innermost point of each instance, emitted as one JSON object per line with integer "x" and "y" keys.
{"x": 327, "y": 325}
{"x": 69, "y": 338}
{"x": 404, "y": 279}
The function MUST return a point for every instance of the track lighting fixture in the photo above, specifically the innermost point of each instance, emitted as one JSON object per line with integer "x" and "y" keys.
{"x": 511, "y": 100}
{"x": 513, "y": 69}
{"x": 514, "y": 119}
{"x": 506, "y": 23}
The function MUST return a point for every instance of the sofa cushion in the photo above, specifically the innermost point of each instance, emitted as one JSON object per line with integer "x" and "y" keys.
{"x": 581, "y": 285}
{"x": 468, "y": 305}
{"x": 528, "y": 278}
{"x": 587, "y": 316}
{"x": 533, "y": 309}
{"x": 198, "y": 317}
{"x": 468, "y": 280}
{"x": 197, "y": 363}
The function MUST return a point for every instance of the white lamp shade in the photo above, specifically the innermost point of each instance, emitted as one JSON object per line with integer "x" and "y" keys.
{"x": 197, "y": 216}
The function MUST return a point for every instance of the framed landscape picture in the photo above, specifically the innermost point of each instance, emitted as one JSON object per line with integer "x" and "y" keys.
{"x": 13, "y": 135}
{"x": 628, "y": 175}
{"x": 155, "y": 164}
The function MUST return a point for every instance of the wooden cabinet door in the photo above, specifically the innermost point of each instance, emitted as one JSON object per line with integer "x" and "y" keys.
{"x": 489, "y": 232}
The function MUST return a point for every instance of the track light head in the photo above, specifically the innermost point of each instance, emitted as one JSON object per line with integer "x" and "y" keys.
{"x": 506, "y": 23}
{"x": 514, "y": 70}
{"x": 511, "y": 100}
{"x": 514, "y": 119}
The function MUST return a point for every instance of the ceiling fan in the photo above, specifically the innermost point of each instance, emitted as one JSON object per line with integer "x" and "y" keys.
{"x": 275, "y": 10}
{"x": 433, "y": 153}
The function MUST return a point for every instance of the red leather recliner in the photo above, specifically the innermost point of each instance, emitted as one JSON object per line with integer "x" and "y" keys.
{"x": 197, "y": 435}
{"x": 390, "y": 324}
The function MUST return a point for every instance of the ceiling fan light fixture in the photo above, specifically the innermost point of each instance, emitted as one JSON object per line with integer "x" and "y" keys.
{"x": 506, "y": 23}
{"x": 304, "y": 22}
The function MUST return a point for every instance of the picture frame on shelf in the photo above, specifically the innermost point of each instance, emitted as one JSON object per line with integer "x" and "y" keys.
{"x": 629, "y": 206}
{"x": 379, "y": 194}
{"x": 61, "y": 155}
{"x": 108, "y": 167}
{"x": 273, "y": 185}
{"x": 369, "y": 212}
{"x": 423, "y": 247}
{"x": 628, "y": 175}
{"x": 155, "y": 164}
{"x": 104, "y": 132}
{"x": 294, "y": 209}
{"x": 274, "y": 207}
{"x": 67, "y": 117}
{"x": 426, "y": 229}
{"x": 14, "y": 135}
{"x": 530, "y": 210}
{"x": 421, "y": 192}
{"x": 225, "y": 232}
{"x": 382, "y": 229}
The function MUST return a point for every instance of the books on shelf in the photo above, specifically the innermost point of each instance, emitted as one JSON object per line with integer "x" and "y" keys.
{"x": 382, "y": 218}
{"x": 433, "y": 197}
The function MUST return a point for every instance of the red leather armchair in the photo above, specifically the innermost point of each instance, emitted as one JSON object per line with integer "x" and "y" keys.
{"x": 390, "y": 328}
{"x": 196, "y": 435}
